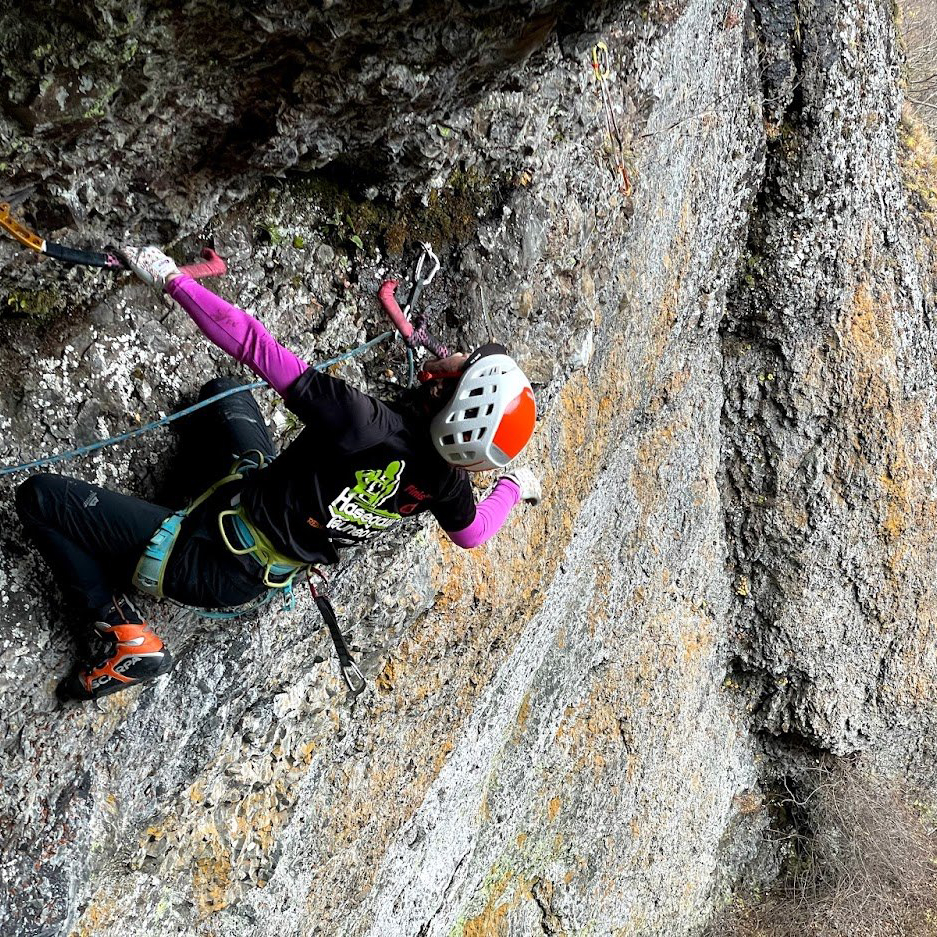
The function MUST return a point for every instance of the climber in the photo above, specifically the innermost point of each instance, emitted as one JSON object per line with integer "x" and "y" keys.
{"x": 358, "y": 468}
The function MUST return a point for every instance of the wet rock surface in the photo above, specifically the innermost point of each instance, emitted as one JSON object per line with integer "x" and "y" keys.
{"x": 566, "y": 730}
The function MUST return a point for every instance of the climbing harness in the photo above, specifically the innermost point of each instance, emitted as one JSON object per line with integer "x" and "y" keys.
{"x": 212, "y": 265}
{"x": 248, "y": 540}
{"x": 601, "y": 70}
{"x": 279, "y": 571}
{"x": 151, "y": 567}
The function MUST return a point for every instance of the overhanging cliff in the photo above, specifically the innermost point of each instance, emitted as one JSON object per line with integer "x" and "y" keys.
{"x": 569, "y": 730}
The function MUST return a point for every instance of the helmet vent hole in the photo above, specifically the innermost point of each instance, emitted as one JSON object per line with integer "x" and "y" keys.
{"x": 481, "y": 433}
{"x": 476, "y": 391}
{"x": 471, "y": 413}
{"x": 448, "y": 439}
{"x": 489, "y": 409}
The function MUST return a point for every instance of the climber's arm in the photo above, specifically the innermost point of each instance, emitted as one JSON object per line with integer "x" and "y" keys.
{"x": 490, "y": 514}
{"x": 492, "y": 511}
{"x": 230, "y": 328}
{"x": 237, "y": 333}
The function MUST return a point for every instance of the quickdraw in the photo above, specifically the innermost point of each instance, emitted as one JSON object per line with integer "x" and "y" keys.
{"x": 420, "y": 282}
{"x": 601, "y": 70}
{"x": 351, "y": 674}
{"x": 413, "y": 331}
{"x": 212, "y": 265}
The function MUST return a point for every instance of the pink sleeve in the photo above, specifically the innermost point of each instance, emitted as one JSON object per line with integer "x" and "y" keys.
{"x": 490, "y": 514}
{"x": 237, "y": 333}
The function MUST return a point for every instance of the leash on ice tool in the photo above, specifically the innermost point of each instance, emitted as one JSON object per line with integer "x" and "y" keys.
{"x": 211, "y": 266}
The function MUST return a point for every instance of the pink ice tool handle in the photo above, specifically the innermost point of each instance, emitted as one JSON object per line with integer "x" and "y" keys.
{"x": 389, "y": 301}
{"x": 415, "y": 338}
{"x": 213, "y": 266}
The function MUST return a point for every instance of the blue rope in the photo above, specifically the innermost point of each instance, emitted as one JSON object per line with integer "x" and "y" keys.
{"x": 140, "y": 430}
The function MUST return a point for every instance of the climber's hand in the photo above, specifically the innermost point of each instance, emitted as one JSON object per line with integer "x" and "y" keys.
{"x": 151, "y": 265}
{"x": 434, "y": 368}
{"x": 528, "y": 483}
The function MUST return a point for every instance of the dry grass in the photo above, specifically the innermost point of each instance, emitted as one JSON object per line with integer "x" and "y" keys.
{"x": 918, "y": 161}
{"x": 858, "y": 861}
{"x": 917, "y": 22}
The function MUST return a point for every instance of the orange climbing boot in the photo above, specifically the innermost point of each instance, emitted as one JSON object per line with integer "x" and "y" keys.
{"x": 131, "y": 654}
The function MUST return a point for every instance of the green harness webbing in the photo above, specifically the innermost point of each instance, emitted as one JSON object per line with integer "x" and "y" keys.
{"x": 279, "y": 570}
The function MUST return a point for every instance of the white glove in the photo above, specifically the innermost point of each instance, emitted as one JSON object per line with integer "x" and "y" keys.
{"x": 528, "y": 483}
{"x": 150, "y": 264}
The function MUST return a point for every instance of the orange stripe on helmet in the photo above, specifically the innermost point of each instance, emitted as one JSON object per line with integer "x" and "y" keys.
{"x": 517, "y": 424}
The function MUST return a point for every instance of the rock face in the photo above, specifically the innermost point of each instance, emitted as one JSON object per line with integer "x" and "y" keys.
{"x": 569, "y": 730}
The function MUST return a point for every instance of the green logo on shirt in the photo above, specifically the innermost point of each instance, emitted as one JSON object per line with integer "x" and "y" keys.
{"x": 357, "y": 510}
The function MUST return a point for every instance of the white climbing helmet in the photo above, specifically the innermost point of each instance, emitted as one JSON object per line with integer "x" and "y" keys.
{"x": 491, "y": 414}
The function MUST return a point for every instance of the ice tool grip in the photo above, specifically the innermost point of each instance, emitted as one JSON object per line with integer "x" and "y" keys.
{"x": 70, "y": 255}
{"x": 213, "y": 266}
{"x": 386, "y": 295}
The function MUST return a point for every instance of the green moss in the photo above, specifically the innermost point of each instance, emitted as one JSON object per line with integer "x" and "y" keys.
{"x": 97, "y": 109}
{"x": 36, "y": 304}
{"x": 450, "y": 215}
{"x": 299, "y": 242}
{"x": 273, "y": 232}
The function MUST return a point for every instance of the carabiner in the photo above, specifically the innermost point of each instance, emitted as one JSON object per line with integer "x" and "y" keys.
{"x": 419, "y": 281}
{"x": 312, "y": 587}
{"x": 356, "y": 687}
{"x": 600, "y": 61}
{"x": 427, "y": 252}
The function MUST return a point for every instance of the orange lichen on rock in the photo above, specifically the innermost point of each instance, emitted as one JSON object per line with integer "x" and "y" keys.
{"x": 883, "y": 444}
{"x": 96, "y": 917}
{"x": 492, "y": 921}
{"x": 553, "y": 808}
{"x": 211, "y": 879}
{"x": 524, "y": 712}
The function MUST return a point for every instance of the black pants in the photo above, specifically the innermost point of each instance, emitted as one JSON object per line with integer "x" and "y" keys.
{"x": 92, "y": 538}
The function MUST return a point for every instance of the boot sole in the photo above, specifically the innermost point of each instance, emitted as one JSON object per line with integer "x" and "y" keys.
{"x": 65, "y": 693}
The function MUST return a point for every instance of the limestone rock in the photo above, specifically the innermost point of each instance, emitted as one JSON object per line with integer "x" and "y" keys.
{"x": 568, "y": 730}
